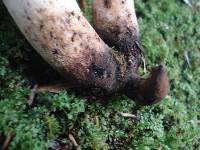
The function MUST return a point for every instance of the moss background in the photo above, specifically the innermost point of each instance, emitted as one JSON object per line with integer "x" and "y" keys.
{"x": 170, "y": 34}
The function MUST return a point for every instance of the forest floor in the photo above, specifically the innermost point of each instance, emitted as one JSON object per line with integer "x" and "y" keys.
{"x": 170, "y": 34}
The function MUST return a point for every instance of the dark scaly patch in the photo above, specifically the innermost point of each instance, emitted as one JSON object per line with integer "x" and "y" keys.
{"x": 55, "y": 51}
{"x": 28, "y": 18}
{"x": 73, "y": 13}
{"x": 78, "y": 17}
{"x": 126, "y": 44}
{"x": 107, "y": 3}
{"x": 123, "y": 2}
{"x": 127, "y": 41}
{"x": 41, "y": 26}
{"x": 73, "y": 36}
{"x": 99, "y": 72}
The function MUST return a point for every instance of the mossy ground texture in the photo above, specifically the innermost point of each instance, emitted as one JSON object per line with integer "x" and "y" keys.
{"x": 170, "y": 34}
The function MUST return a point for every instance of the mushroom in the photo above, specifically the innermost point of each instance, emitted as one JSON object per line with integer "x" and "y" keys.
{"x": 60, "y": 33}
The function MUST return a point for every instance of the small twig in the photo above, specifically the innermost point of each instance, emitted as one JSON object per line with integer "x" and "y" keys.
{"x": 187, "y": 2}
{"x": 128, "y": 115}
{"x": 160, "y": 148}
{"x": 72, "y": 139}
{"x": 32, "y": 95}
{"x": 144, "y": 65}
{"x": 53, "y": 88}
{"x": 7, "y": 141}
{"x": 198, "y": 4}
{"x": 187, "y": 58}
{"x": 198, "y": 122}
{"x": 195, "y": 121}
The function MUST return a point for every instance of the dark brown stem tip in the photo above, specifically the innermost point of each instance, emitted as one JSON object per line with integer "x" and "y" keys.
{"x": 153, "y": 89}
{"x": 82, "y": 4}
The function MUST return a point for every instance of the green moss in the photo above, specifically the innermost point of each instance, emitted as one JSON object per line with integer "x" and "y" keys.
{"x": 170, "y": 35}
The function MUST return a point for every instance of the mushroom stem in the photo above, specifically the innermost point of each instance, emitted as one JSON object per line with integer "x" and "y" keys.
{"x": 116, "y": 23}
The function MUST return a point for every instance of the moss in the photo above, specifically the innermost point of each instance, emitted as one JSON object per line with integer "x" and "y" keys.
{"x": 169, "y": 34}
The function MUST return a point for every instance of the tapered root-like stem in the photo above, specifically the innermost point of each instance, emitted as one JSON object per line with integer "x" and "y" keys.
{"x": 148, "y": 91}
